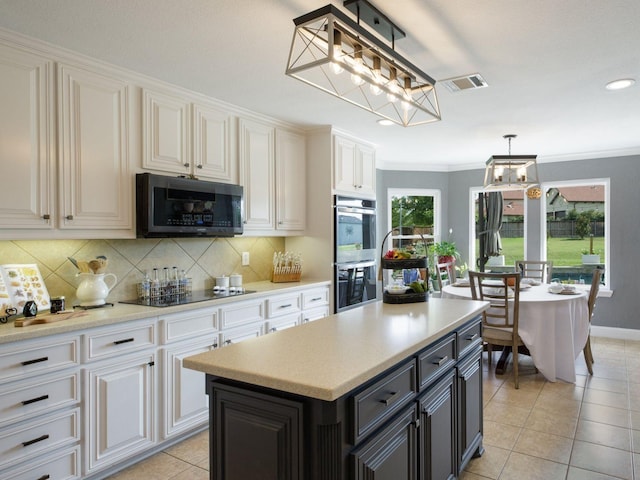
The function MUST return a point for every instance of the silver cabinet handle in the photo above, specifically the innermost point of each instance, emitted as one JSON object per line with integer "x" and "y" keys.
{"x": 388, "y": 401}
{"x": 442, "y": 361}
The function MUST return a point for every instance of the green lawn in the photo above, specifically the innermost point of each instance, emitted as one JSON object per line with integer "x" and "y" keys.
{"x": 562, "y": 251}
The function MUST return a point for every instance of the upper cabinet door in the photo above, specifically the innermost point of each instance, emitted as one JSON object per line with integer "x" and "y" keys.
{"x": 257, "y": 154}
{"x": 344, "y": 164}
{"x": 95, "y": 185}
{"x": 366, "y": 163}
{"x": 27, "y": 140}
{"x": 213, "y": 155}
{"x": 166, "y": 133}
{"x": 291, "y": 181}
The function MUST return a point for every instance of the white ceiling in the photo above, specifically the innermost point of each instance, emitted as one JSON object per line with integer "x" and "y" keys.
{"x": 546, "y": 62}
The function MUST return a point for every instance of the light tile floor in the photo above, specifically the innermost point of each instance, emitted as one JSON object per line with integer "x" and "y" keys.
{"x": 543, "y": 430}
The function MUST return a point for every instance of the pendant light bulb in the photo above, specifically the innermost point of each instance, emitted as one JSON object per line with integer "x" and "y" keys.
{"x": 358, "y": 65}
{"x": 393, "y": 85}
{"x": 336, "y": 57}
{"x": 376, "y": 76}
{"x": 406, "y": 95}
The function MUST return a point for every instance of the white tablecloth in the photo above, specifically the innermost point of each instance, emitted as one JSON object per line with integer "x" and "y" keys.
{"x": 553, "y": 327}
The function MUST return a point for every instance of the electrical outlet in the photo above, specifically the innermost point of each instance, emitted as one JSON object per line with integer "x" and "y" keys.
{"x": 245, "y": 259}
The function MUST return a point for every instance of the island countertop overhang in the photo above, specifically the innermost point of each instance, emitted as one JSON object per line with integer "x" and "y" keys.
{"x": 328, "y": 358}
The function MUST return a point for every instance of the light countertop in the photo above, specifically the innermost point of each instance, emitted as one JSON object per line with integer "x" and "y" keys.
{"x": 328, "y": 358}
{"x": 122, "y": 312}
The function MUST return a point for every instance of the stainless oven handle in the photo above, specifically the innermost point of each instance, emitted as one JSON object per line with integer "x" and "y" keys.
{"x": 365, "y": 211}
{"x": 347, "y": 266}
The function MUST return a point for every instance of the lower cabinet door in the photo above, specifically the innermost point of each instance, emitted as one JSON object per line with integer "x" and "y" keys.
{"x": 121, "y": 409}
{"x": 391, "y": 453}
{"x": 470, "y": 405}
{"x": 438, "y": 459}
{"x": 257, "y": 436}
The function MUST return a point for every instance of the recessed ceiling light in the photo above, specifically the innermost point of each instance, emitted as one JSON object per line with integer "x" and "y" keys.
{"x": 385, "y": 122}
{"x": 620, "y": 84}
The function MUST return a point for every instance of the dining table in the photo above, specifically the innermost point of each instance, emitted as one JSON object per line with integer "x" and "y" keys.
{"x": 553, "y": 326}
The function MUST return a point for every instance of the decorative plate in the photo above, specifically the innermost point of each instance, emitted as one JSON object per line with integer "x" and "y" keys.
{"x": 23, "y": 282}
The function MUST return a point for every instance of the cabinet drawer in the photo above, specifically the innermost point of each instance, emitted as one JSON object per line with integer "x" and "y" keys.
{"x": 315, "y": 314}
{"x": 236, "y": 335}
{"x": 469, "y": 336}
{"x": 315, "y": 298}
{"x": 280, "y": 323}
{"x": 23, "y": 359}
{"x": 241, "y": 313}
{"x": 186, "y": 325}
{"x": 111, "y": 342}
{"x": 283, "y": 305}
{"x": 435, "y": 360}
{"x": 29, "y": 398}
{"x": 34, "y": 438}
{"x": 64, "y": 465}
{"x": 378, "y": 402}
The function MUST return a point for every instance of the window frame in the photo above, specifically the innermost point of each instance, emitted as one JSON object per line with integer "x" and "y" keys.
{"x": 606, "y": 182}
{"x": 417, "y": 192}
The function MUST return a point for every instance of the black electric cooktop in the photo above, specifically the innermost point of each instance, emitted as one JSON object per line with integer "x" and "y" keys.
{"x": 198, "y": 296}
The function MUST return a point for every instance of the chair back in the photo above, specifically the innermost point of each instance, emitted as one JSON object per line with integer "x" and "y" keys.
{"x": 537, "y": 269}
{"x": 449, "y": 269}
{"x": 595, "y": 288}
{"x": 504, "y": 299}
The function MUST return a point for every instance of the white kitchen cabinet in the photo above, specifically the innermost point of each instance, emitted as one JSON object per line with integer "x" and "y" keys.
{"x": 291, "y": 181}
{"x": 165, "y": 132}
{"x": 354, "y": 167}
{"x": 185, "y": 403}
{"x": 257, "y": 173}
{"x": 239, "y": 334}
{"x": 27, "y": 141}
{"x": 273, "y": 173}
{"x": 120, "y": 403}
{"x": 120, "y": 392}
{"x": 95, "y": 184}
{"x": 40, "y": 399}
{"x": 187, "y": 138}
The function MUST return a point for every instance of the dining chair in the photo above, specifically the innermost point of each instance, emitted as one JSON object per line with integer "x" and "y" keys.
{"x": 500, "y": 321}
{"x": 537, "y": 269}
{"x": 591, "y": 302}
{"x": 448, "y": 268}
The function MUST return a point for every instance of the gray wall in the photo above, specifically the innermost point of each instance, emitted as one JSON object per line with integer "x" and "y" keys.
{"x": 623, "y": 308}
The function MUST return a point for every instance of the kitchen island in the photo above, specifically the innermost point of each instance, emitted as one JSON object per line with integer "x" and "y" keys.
{"x": 379, "y": 392}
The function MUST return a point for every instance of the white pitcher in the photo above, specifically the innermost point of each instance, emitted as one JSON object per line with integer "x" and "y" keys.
{"x": 93, "y": 288}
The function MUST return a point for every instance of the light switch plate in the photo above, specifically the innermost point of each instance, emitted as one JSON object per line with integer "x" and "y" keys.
{"x": 245, "y": 259}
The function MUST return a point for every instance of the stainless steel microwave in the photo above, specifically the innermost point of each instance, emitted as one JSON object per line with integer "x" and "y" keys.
{"x": 185, "y": 207}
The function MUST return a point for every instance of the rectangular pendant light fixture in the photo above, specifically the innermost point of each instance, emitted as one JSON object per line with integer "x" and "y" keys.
{"x": 511, "y": 172}
{"x": 332, "y": 52}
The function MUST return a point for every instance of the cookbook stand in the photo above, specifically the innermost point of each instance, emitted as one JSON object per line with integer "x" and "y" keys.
{"x": 394, "y": 267}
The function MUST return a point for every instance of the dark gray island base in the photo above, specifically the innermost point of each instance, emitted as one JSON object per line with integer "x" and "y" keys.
{"x": 418, "y": 419}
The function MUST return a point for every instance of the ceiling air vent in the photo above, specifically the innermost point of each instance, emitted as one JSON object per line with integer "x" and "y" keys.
{"x": 466, "y": 82}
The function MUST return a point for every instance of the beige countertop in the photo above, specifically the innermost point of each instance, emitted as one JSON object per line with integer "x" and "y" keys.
{"x": 122, "y": 312}
{"x": 328, "y": 358}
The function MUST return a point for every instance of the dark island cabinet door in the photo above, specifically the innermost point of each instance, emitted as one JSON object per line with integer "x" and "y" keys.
{"x": 437, "y": 432}
{"x": 256, "y": 436}
{"x": 470, "y": 405}
{"x": 391, "y": 453}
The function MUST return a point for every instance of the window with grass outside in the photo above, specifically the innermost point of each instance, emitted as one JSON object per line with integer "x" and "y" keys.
{"x": 576, "y": 225}
{"x": 414, "y": 218}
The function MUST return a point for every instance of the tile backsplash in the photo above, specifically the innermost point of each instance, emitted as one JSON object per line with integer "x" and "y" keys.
{"x": 202, "y": 258}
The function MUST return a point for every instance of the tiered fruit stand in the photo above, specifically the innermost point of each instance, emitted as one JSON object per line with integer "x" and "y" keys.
{"x": 389, "y": 265}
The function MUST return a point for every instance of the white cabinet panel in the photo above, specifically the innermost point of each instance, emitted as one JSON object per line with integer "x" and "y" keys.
{"x": 165, "y": 132}
{"x": 27, "y": 140}
{"x": 354, "y": 167}
{"x": 213, "y": 152}
{"x": 95, "y": 183}
{"x": 64, "y": 465}
{"x": 291, "y": 181}
{"x": 120, "y": 401}
{"x": 257, "y": 157}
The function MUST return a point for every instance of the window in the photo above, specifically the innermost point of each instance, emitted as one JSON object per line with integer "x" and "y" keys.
{"x": 416, "y": 215}
{"x": 512, "y": 232}
{"x": 575, "y": 225}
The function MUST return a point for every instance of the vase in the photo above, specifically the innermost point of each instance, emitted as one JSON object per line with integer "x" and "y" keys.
{"x": 93, "y": 288}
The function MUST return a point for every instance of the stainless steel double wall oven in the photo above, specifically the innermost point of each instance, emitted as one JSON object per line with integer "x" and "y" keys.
{"x": 355, "y": 252}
